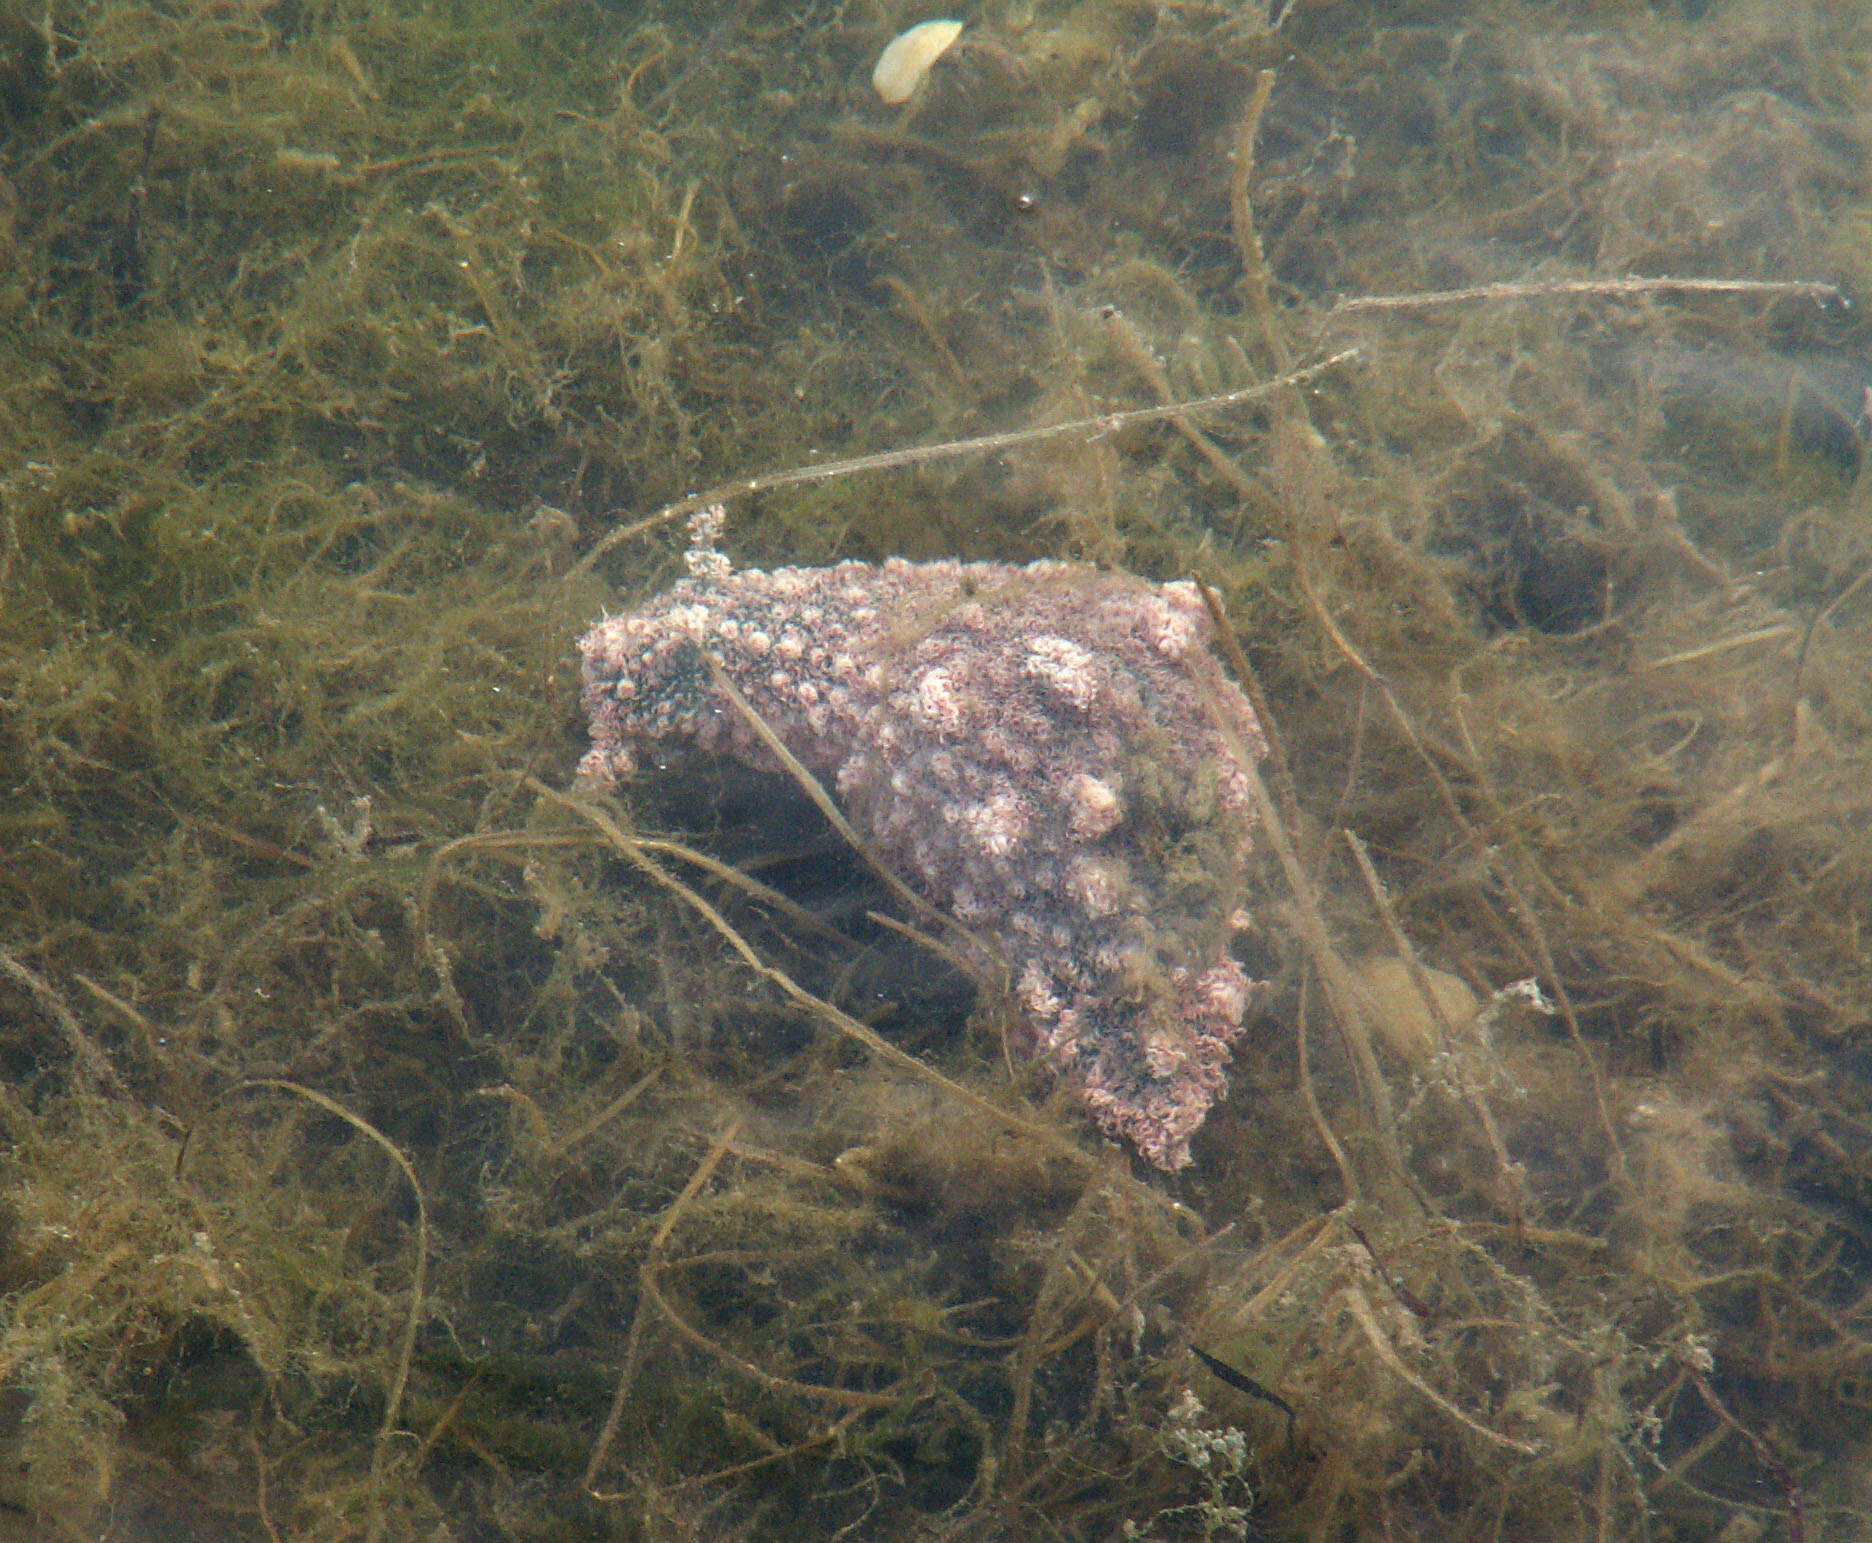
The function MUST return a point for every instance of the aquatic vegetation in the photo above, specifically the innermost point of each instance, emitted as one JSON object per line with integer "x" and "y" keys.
{"x": 399, "y": 1139}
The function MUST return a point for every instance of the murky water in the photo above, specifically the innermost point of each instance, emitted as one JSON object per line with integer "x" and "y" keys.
{"x": 401, "y": 1142}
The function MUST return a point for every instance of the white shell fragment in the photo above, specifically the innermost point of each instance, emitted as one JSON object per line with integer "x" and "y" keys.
{"x": 908, "y": 56}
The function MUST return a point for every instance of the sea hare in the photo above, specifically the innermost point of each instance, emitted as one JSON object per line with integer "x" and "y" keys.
{"x": 1051, "y": 753}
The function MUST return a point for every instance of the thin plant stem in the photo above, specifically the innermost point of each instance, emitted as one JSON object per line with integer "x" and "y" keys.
{"x": 1545, "y": 289}
{"x": 983, "y": 444}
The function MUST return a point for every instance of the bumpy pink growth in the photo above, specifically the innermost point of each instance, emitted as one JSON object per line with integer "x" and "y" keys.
{"x": 1035, "y": 749}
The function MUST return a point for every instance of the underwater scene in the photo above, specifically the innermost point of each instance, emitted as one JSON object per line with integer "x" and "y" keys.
{"x": 811, "y": 769}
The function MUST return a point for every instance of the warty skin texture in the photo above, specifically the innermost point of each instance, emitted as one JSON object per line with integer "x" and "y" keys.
{"x": 1035, "y": 749}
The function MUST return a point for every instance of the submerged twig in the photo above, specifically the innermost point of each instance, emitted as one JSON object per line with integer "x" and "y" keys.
{"x": 1538, "y": 289}
{"x": 1520, "y": 907}
{"x": 1309, "y": 1096}
{"x": 1362, "y": 1314}
{"x": 96, "y": 1064}
{"x": 406, "y": 1351}
{"x": 1693, "y": 1365}
{"x": 863, "y": 1034}
{"x": 982, "y": 444}
{"x": 1311, "y": 919}
{"x": 1254, "y": 279}
{"x": 647, "y": 1279}
{"x": 822, "y": 800}
{"x": 1446, "y": 1030}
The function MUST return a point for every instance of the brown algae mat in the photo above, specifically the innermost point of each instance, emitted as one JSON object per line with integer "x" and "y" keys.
{"x": 404, "y": 1141}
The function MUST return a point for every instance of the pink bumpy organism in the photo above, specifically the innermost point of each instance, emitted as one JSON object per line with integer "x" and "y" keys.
{"x": 1051, "y": 753}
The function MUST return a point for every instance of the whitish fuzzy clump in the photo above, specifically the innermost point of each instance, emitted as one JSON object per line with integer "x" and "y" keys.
{"x": 1035, "y": 749}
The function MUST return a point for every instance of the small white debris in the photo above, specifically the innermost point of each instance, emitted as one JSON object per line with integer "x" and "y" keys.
{"x": 908, "y": 56}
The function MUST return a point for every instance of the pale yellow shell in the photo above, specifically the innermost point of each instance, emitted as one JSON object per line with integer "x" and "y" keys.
{"x": 908, "y": 56}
